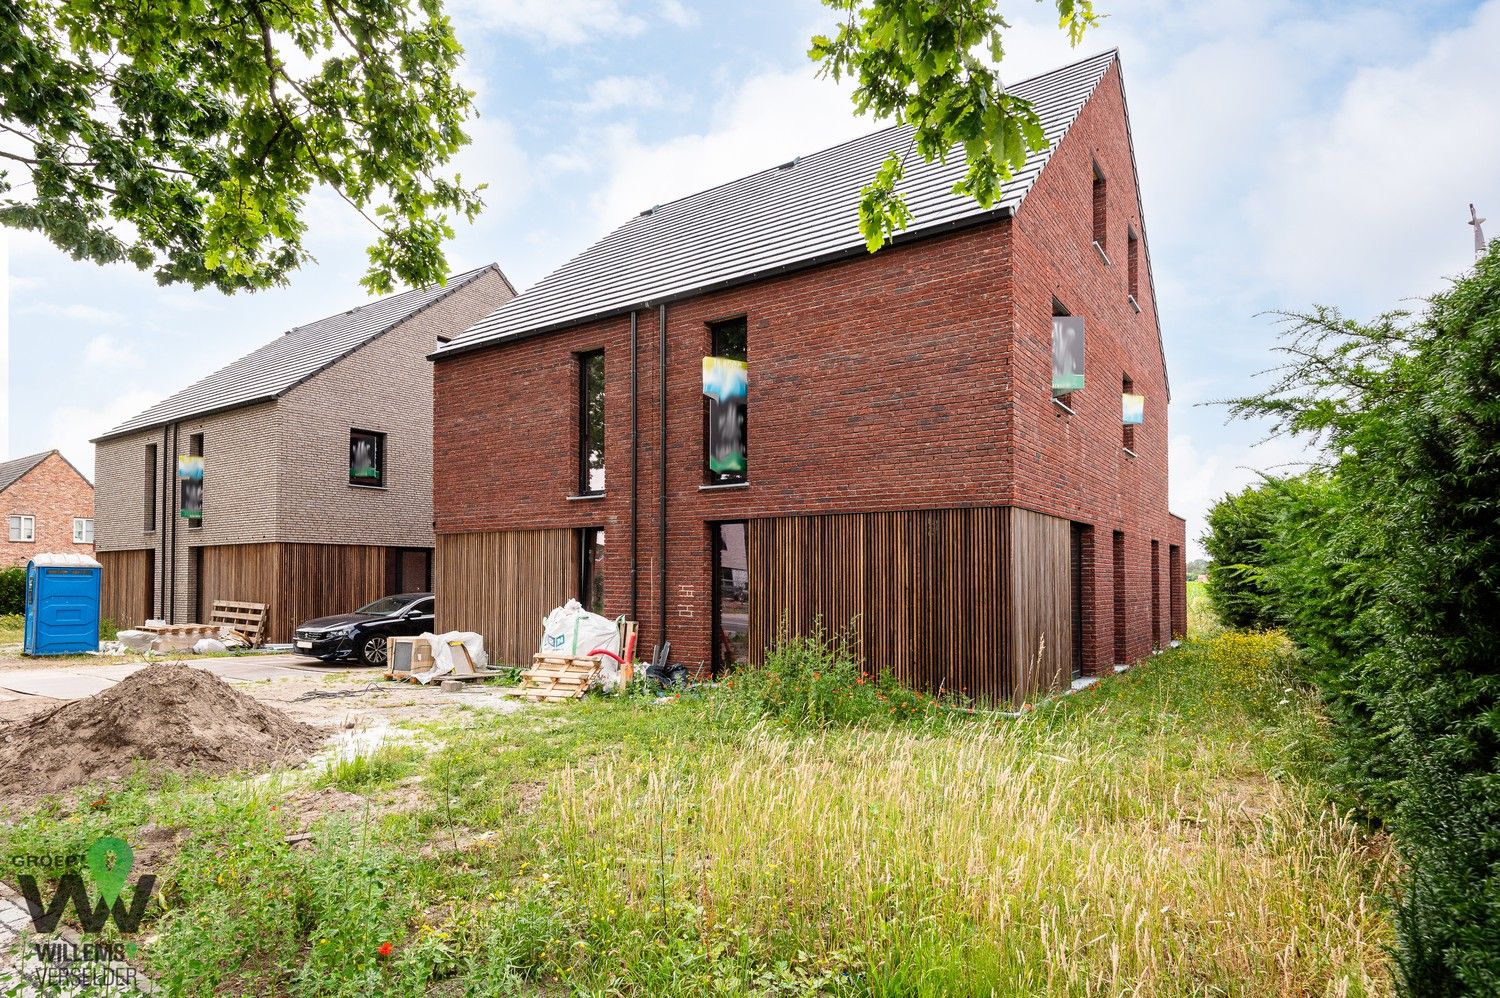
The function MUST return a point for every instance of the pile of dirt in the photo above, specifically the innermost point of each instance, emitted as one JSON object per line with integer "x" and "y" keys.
{"x": 167, "y": 717}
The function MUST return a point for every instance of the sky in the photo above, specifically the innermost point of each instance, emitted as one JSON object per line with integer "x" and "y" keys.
{"x": 1290, "y": 153}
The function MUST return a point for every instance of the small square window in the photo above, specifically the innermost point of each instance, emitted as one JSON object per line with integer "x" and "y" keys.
{"x": 366, "y": 458}
{"x": 22, "y": 529}
{"x": 83, "y": 530}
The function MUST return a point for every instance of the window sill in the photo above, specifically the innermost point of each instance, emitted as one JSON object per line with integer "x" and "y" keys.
{"x": 723, "y": 487}
{"x": 586, "y": 496}
{"x": 1134, "y": 304}
{"x": 1063, "y": 406}
{"x": 1129, "y": 452}
{"x": 1102, "y": 255}
{"x": 369, "y": 488}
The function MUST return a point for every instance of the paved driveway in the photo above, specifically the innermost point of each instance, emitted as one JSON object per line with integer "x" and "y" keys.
{"x": 75, "y": 682}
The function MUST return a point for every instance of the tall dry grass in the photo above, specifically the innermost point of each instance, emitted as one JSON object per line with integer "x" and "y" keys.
{"x": 1078, "y": 851}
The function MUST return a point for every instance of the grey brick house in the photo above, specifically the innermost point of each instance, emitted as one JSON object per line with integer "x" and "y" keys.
{"x": 316, "y": 488}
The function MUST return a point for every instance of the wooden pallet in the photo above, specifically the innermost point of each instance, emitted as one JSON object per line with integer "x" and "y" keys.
{"x": 248, "y": 619}
{"x": 556, "y": 677}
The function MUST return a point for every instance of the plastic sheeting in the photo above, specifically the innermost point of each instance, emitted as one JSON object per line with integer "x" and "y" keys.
{"x": 572, "y": 630}
{"x": 442, "y": 653}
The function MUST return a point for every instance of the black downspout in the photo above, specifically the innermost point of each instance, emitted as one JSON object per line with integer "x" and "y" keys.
{"x": 171, "y": 616}
{"x": 162, "y": 502}
{"x": 635, "y": 477}
{"x": 661, "y": 457}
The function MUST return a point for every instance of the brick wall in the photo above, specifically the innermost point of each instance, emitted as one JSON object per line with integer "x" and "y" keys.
{"x": 53, "y": 492}
{"x": 1074, "y": 466}
{"x": 919, "y": 377}
{"x": 279, "y": 470}
{"x": 384, "y": 387}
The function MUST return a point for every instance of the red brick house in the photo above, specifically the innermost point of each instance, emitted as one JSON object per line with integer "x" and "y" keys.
{"x": 916, "y": 475}
{"x": 49, "y": 506}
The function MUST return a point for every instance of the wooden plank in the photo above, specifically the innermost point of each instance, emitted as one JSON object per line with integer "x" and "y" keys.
{"x": 501, "y": 584}
{"x": 126, "y": 586}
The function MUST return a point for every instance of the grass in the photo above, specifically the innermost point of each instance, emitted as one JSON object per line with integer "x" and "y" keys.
{"x": 12, "y": 629}
{"x": 1156, "y": 834}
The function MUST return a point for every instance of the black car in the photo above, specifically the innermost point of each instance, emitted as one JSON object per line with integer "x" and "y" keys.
{"x": 361, "y": 635}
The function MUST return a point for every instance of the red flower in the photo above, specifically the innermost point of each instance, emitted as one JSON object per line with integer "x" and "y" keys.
{"x": 385, "y": 948}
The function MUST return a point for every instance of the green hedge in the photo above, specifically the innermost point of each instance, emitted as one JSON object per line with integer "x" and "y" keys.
{"x": 1384, "y": 566}
{"x": 12, "y": 591}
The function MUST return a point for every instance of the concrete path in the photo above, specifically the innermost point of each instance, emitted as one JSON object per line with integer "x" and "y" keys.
{"x": 64, "y": 682}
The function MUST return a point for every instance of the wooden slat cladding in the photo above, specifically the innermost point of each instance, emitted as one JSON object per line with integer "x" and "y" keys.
{"x": 921, "y": 593}
{"x": 1040, "y": 628}
{"x": 502, "y": 583}
{"x": 926, "y": 593}
{"x": 126, "y": 586}
{"x": 298, "y": 582}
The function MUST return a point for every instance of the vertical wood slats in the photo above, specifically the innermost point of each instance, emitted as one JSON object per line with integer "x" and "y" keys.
{"x": 297, "y": 582}
{"x": 501, "y": 584}
{"x": 126, "y": 586}
{"x": 923, "y": 593}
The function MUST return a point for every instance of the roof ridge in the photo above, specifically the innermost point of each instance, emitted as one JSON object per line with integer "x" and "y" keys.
{"x": 864, "y": 137}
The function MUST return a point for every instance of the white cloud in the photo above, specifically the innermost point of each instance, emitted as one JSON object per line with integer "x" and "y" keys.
{"x": 73, "y": 426}
{"x": 1200, "y": 479}
{"x": 678, "y": 13}
{"x": 76, "y": 312}
{"x": 553, "y": 22}
{"x": 107, "y": 351}
{"x": 632, "y": 93}
{"x": 772, "y": 117}
{"x": 1368, "y": 200}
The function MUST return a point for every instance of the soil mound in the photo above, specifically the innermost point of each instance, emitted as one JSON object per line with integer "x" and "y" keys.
{"x": 171, "y": 718}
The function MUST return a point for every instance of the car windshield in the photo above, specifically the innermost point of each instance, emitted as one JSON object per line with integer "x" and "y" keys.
{"x": 390, "y": 604}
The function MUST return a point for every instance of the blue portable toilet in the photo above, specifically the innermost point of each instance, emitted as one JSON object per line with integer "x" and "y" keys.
{"x": 62, "y": 604}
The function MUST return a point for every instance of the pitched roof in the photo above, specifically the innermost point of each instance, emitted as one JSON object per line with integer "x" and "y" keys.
{"x": 793, "y": 215}
{"x": 12, "y": 471}
{"x": 294, "y": 356}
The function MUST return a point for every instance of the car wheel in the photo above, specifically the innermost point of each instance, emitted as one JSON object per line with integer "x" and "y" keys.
{"x": 372, "y": 650}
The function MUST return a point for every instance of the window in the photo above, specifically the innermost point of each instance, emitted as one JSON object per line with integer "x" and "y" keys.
{"x": 731, "y": 600}
{"x": 591, "y": 569}
{"x": 1129, "y": 413}
{"x": 367, "y": 459}
{"x": 1155, "y": 594}
{"x": 1067, "y": 353}
{"x": 152, "y": 471}
{"x": 22, "y": 529}
{"x": 591, "y": 423}
{"x": 1121, "y": 646}
{"x": 83, "y": 530}
{"x": 1101, "y": 212}
{"x": 1133, "y": 268}
{"x": 727, "y": 430}
{"x": 192, "y": 488}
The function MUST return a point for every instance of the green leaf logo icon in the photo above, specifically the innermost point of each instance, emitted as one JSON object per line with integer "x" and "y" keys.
{"x": 109, "y": 860}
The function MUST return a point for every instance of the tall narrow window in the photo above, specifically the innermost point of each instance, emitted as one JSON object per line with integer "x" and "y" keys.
{"x": 1175, "y": 579}
{"x": 1101, "y": 212}
{"x": 1067, "y": 353}
{"x": 1127, "y": 417}
{"x": 591, "y": 423}
{"x": 190, "y": 483}
{"x": 1155, "y": 594}
{"x": 152, "y": 473}
{"x": 727, "y": 412}
{"x": 367, "y": 458}
{"x": 1121, "y": 645}
{"x": 731, "y": 603}
{"x": 1133, "y": 267}
{"x": 591, "y": 569}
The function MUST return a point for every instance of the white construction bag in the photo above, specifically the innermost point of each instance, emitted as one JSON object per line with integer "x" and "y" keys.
{"x": 572, "y": 630}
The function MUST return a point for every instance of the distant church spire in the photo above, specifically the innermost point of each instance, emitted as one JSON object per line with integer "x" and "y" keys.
{"x": 1478, "y": 224}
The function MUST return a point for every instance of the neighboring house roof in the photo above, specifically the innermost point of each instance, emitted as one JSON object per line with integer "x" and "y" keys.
{"x": 793, "y": 215}
{"x": 12, "y": 471}
{"x": 294, "y": 356}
